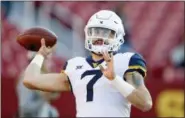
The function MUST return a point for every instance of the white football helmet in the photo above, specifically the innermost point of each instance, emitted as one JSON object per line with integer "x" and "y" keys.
{"x": 104, "y": 30}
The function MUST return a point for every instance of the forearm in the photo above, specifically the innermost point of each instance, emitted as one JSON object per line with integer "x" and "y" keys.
{"x": 140, "y": 97}
{"x": 34, "y": 68}
{"x": 137, "y": 96}
{"x": 51, "y": 82}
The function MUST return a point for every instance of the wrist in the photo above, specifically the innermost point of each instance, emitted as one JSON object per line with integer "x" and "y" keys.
{"x": 38, "y": 59}
{"x": 123, "y": 87}
{"x": 40, "y": 53}
{"x": 112, "y": 78}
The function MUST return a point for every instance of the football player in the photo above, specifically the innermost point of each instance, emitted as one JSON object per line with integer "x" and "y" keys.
{"x": 106, "y": 83}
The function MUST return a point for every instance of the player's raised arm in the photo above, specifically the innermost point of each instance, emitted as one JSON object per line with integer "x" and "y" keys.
{"x": 34, "y": 79}
{"x": 135, "y": 75}
{"x": 140, "y": 96}
{"x": 134, "y": 89}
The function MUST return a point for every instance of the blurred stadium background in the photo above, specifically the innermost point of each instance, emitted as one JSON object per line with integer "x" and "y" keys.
{"x": 154, "y": 29}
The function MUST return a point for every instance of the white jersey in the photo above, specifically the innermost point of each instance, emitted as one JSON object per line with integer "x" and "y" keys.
{"x": 95, "y": 96}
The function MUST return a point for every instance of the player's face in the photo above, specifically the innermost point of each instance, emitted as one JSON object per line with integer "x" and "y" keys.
{"x": 101, "y": 36}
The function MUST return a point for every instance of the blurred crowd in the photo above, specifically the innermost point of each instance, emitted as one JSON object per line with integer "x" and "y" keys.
{"x": 154, "y": 29}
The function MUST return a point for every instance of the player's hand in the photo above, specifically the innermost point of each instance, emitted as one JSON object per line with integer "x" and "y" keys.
{"x": 45, "y": 51}
{"x": 109, "y": 71}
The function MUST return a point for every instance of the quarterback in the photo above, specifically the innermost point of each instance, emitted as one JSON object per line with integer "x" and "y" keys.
{"x": 106, "y": 83}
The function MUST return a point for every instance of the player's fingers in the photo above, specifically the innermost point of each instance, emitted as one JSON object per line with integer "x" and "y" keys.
{"x": 42, "y": 42}
{"x": 110, "y": 64}
{"x": 109, "y": 59}
{"x": 106, "y": 55}
{"x": 111, "y": 56}
{"x": 53, "y": 48}
{"x": 48, "y": 49}
{"x": 101, "y": 68}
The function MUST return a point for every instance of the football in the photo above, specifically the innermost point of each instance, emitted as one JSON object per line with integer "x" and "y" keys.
{"x": 30, "y": 39}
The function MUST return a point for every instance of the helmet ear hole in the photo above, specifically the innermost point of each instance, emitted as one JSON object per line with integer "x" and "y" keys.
{"x": 121, "y": 41}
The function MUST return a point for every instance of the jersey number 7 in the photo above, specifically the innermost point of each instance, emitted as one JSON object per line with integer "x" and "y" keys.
{"x": 97, "y": 75}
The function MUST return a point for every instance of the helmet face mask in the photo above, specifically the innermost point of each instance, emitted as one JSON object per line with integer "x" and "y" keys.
{"x": 104, "y": 31}
{"x": 100, "y": 36}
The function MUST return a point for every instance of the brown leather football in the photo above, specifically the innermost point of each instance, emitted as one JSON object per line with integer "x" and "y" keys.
{"x": 31, "y": 38}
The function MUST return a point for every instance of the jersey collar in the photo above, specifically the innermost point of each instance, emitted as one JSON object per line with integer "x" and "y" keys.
{"x": 93, "y": 63}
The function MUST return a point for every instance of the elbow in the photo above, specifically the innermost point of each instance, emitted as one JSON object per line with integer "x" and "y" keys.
{"x": 27, "y": 82}
{"x": 147, "y": 106}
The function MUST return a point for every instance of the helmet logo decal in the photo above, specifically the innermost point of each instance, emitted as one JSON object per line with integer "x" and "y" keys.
{"x": 103, "y": 17}
{"x": 115, "y": 22}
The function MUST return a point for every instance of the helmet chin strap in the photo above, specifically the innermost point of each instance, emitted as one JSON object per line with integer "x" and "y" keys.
{"x": 96, "y": 53}
{"x": 100, "y": 49}
{"x": 101, "y": 54}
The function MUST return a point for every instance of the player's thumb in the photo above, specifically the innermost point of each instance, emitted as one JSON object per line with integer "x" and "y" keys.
{"x": 42, "y": 42}
{"x": 101, "y": 68}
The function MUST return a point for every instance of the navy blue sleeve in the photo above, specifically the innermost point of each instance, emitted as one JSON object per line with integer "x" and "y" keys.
{"x": 137, "y": 63}
{"x": 65, "y": 65}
